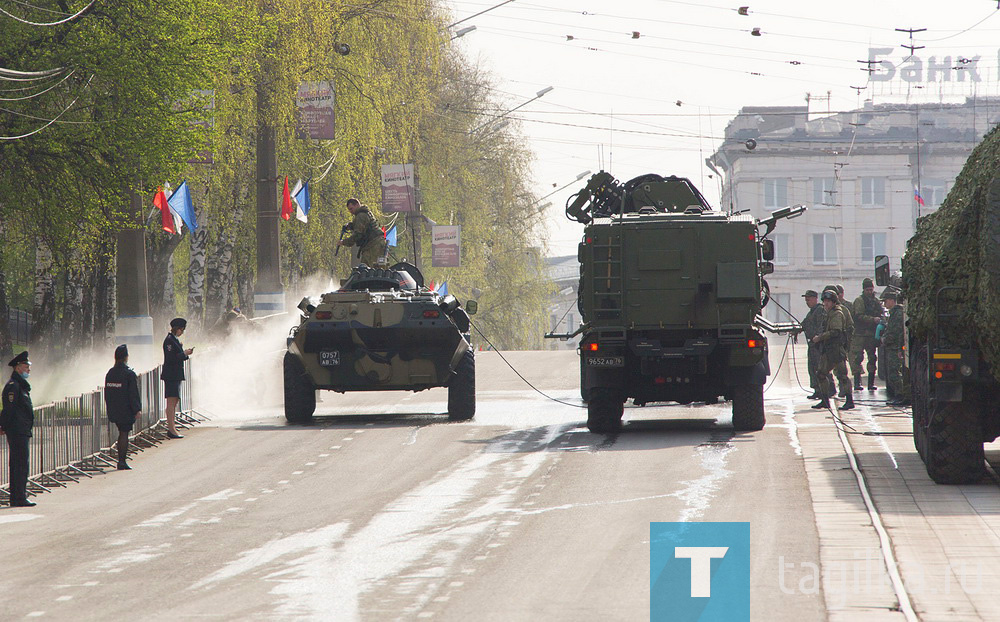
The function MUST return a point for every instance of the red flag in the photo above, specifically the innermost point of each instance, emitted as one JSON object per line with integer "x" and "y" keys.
{"x": 287, "y": 207}
{"x": 160, "y": 202}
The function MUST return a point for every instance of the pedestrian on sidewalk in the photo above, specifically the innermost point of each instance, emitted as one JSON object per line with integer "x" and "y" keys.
{"x": 122, "y": 401}
{"x": 172, "y": 374}
{"x": 16, "y": 420}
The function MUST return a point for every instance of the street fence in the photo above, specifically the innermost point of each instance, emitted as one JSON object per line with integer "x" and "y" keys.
{"x": 73, "y": 438}
{"x": 19, "y": 325}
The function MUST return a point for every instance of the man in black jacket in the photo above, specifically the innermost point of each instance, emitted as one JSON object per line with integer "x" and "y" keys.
{"x": 16, "y": 421}
{"x": 172, "y": 374}
{"x": 122, "y": 401}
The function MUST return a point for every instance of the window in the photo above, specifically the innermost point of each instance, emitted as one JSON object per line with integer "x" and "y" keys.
{"x": 824, "y": 194}
{"x": 872, "y": 244}
{"x": 775, "y": 193}
{"x": 933, "y": 192}
{"x": 781, "y": 241}
{"x": 824, "y": 249}
{"x": 776, "y": 308}
{"x": 872, "y": 192}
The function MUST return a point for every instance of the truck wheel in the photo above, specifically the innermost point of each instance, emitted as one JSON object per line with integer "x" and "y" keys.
{"x": 604, "y": 411}
{"x": 920, "y": 398}
{"x": 300, "y": 395}
{"x": 748, "y": 407}
{"x": 954, "y": 450}
{"x": 462, "y": 389}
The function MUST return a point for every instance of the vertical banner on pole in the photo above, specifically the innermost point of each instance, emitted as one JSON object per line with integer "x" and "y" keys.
{"x": 315, "y": 107}
{"x": 398, "y": 189}
{"x": 446, "y": 246}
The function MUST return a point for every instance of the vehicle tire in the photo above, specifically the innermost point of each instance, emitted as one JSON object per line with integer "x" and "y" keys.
{"x": 748, "y": 407}
{"x": 604, "y": 411}
{"x": 462, "y": 389}
{"x": 300, "y": 394}
{"x": 954, "y": 450}
{"x": 920, "y": 398}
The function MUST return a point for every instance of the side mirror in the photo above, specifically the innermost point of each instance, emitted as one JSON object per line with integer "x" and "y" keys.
{"x": 881, "y": 270}
{"x": 767, "y": 249}
{"x": 471, "y": 307}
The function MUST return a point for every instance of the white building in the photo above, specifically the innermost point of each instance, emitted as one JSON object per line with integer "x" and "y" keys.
{"x": 856, "y": 171}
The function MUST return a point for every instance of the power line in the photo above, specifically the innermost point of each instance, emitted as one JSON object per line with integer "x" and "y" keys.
{"x": 50, "y": 122}
{"x": 49, "y": 24}
{"x": 38, "y": 94}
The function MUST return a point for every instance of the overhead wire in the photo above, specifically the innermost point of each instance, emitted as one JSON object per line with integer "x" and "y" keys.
{"x": 50, "y": 122}
{"x": 50, "y": 24}
{"x": 40, "y": 93}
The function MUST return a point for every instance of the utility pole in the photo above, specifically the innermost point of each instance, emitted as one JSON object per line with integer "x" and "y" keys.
{"x": 133, "y": 324}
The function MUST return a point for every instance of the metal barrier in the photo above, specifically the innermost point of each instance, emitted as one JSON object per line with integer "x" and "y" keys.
{"x": 19, "y": 325}
{"x": 73, "y": 438}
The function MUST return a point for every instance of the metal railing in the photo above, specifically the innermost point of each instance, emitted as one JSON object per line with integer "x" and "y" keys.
{"x": 19, "y": 325}
{"x": 73, "y": 438}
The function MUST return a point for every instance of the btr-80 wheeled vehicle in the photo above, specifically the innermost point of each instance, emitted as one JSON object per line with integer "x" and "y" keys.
{"x": 382, "y": 331}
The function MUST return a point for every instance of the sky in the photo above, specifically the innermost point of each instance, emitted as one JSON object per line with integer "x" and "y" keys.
{"x": 648, "y": 86}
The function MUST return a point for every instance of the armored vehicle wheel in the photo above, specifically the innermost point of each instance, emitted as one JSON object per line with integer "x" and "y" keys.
{"x": 300, "y": 395}
{"x": 954, "y": 443}
{"x": 462, "y": 390}
{"x": 604, "y": 411}
{"x": 920, "y": 390}
{"x": 748, "y": 407}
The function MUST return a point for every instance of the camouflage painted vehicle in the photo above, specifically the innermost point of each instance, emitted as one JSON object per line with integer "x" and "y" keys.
{"x": 670, "y": 294}
{"x": 382, "y": 331}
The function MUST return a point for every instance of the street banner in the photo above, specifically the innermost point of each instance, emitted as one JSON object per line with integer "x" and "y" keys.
{"x": 398, "y": 193}
{"x": 446, "y": 246}
{"x": 315, "y": 104}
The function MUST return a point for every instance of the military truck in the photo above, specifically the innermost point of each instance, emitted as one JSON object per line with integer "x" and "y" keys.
{"x": 382, "y": 331}
{"x": 951, "y": 283}
{"x": 670, "y": 295}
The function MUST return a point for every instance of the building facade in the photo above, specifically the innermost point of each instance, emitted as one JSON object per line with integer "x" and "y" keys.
{"x": 858, "y": 172}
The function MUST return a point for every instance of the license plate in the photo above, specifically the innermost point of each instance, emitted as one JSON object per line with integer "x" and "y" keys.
{"x": 606, "y": 361}
{"x": 329, "y": 358}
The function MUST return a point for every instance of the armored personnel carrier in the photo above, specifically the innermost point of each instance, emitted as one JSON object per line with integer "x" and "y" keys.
{"x": 670, "y": 294}
{"x": 382, "y": 331}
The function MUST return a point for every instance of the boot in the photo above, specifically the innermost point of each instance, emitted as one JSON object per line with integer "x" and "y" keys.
{"x": 871, "y": 382}
{"x": 849, "y": 404}
{"x": 825, "y": 403}
{"x": 814, "y": 395}
{"x": 857, "y": 383}
{"x": 123, "y": 466}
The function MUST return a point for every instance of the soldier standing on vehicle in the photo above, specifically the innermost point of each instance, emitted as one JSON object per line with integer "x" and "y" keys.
{"x": 812, "y": 325}
{"x": 122, "y": 402}
{"x": 834, "y": 355}
{"x": 16, "y": 420}
{"x": 892, "y": 340}
{"x": 867, "y": 311}
{"x": 366, "y": 234}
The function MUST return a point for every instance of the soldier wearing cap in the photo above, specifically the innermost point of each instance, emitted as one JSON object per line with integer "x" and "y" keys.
{"x": 867, "y": 312}
{"x": 172, "y": 374}
{"x": 832, "y": 341}
{"x": 892, "y": 340}
{"x": 812, "y": 325}
{"x": 122, "y": 401}
{"x": 16, "y": 420}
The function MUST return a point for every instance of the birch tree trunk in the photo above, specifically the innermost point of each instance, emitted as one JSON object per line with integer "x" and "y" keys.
{"x": 72, "y": 315}
{"x": 196, "y": 274}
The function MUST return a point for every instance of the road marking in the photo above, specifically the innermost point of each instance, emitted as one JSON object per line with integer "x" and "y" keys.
{"x": 456, "y": 584}
{"x": 480, "y": 558}
{"x": 222, "y": 495}
{"x": 336, "y": 447}
{"x": 234, "y": 509}
{"x": 442, "y": 599}
{"x": 250, "y": 500}
{"x": 63, "y": 599}
{"x": 297, "y": 472}
{"x": 186, "y": 535}
{"x": 284, "y": 481}
{"x": 18, "y": 518}
{"x": 347, "y": 438}
{"x": 425, "y": 614}
{"x": 324, "y": 455}
{"x": 359, "y": 431}
{"x": 36, "y": 614}
{"x": 310, "y": 464}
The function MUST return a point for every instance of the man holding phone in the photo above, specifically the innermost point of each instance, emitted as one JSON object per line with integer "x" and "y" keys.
{"x": 172, "y": 374}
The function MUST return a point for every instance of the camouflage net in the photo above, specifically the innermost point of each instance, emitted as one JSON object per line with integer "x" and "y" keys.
{"x": 959, "y": 245}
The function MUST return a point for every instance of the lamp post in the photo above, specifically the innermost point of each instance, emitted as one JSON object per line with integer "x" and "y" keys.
{"x": 538, "y": 95}
{"x": 463, "y": 31}
{"x": 560, "y": 189}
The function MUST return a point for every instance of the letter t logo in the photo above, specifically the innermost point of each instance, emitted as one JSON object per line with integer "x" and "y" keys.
{"x": 701, "y": 566}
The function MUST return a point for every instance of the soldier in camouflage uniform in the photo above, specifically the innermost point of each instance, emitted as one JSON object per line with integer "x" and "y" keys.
{"x": 848, "y": 330}
{"x": 892, "y": 340}
{"x": 812, "y": 325}
{"x": 867, "y": 312}
{"x": 365, "y": 234}
{"x": 832, "y": 343}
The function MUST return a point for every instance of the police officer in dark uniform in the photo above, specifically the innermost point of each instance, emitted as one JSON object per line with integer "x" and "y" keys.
{"x": 172, "y": 374}
{"x": 16, "y": 421}
{"x": 122, "y": 401}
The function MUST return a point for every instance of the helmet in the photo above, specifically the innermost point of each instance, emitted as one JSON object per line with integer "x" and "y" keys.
{"x": 829, "y": 294}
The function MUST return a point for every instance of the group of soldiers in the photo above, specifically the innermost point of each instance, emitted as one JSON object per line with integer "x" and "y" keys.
{"x": 841, "y": 334}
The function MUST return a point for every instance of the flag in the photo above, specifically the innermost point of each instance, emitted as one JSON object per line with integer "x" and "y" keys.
{"x": 287, "y": 207}
{"x": 180, "y": 204}
{"x": 160, "y": 202}
{"x": 169, "y": 193}
{"x": 433, "y": 288}
{"x": 443, "y": 288}
{"x": 300, "y": 194}
{"x": 916, "y": 195}
{"x": 390, "y": 236}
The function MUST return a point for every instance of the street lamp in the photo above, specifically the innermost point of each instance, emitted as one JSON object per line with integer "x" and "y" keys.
{"x": 538, "y": 95}
{"x": 578, "y": 178}
{"x": 463, "y": 31}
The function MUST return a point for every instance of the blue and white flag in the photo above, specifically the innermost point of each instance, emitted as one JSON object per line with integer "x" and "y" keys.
{"x": 302, "y": 203}
{"x": 390, "y": 236}
{"x": 180, "y": 206}
{"x": 443, "y": 288}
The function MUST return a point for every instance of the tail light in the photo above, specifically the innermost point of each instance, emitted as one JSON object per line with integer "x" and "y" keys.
{"x": 752, "y": 343}
{"x": 592, "y": 347}
{"x": 432, "y": 314}
{"x": 324, "y": 315}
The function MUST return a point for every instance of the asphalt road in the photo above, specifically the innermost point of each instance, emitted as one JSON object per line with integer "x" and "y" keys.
{"x": 385, "y": 511}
